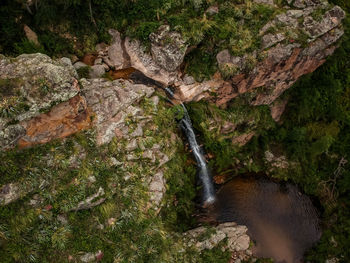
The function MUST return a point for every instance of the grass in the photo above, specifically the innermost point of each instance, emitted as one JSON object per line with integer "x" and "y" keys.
{"x": 42, "y": 227}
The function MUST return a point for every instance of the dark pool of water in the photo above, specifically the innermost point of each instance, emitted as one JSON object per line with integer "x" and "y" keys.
{"x": 281, "y": 220}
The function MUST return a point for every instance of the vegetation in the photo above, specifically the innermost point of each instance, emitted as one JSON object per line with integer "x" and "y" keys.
{"x": 314, "y": 135}
{"x": 44, "y": 226}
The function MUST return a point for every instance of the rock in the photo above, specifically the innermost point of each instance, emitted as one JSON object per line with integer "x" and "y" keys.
{"x": 92, "y": 201}
{"x": 116, "y": 57}
{"x": 9, "y": 193}
{"x": 212, "y": 10}
{"x": 237, "y": 239}
{"x": 168, "y": 48}
{"x": 131, "y": 146}
{"x": 63, "y": 120}
{"x": 143, "y": 62}
{"x": 279, "y": 162}
{"x": 330, "y": 20}
{"x": 197, "y": 91}
{"x": 155, "y": 100}
{"x": 243, "y": 139}
{"x": 188, "y": 80}
{"x": 88, "y": 257}
{"x": 33, "y": 83}
{"x": 275, "y": 69}
{"x": 138, "y": 132}
{"x": 97, "y": 71}
{"x": 31, "y": 35}
{"x": 277, "y": 109}
{"x": 98, "y": 61}
{"x": 271, "y": 39}
{"x": 266, "y": 2}
{"x": 79, "y": 64}
{"x": 157, "y": 188}
{"x": 111, "y": 102}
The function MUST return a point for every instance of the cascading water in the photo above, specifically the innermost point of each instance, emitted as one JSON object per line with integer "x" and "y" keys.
{"x": 208, "y": 192}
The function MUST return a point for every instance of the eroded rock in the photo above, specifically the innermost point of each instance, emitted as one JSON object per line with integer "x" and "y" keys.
{"x": 168, "y": 48}
{"x": 63, "y": 120}
{"x": 237, "y": 238}
{"x": 111, "y": 102}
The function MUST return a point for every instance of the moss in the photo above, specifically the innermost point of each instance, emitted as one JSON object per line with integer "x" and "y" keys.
{"x": 83, "y": 72}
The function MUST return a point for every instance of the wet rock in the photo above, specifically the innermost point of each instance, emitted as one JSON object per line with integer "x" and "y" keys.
{"x": 237, "y": 238}
{"x": 168, "y": 48}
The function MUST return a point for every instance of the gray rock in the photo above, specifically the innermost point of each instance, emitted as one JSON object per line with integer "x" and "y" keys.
{"x": 330, "y": 20}
{"x": 98, "y": 61}
{"x": 92, "y": 201}
{"x": 9, "y": 193}
{"x": 188, "y": 80}
{"x": 223, "y": 57}
{"x": 10, "y": 135}
{"x": 111, "y": 101}
{"x": 35, "y": 83}
{"x": 270, "y": 39}
{"x": 168, "y": 48}
{"x": 131, "y": 146}
{"x": 299, "y": 3}
{"x": 138, "y": 132}
{"x": 88, "y": 257}
{"x": 116, "y": 56}
{"x": 266, "y": 2}
{"x": 157, "y": 188}
{"x": 79, "y": 64}
{"x": 155, "y": 100}
{"x": 212, "y": 10}
{"x": 237, "y": 238}
{"x": 97, "y": 71}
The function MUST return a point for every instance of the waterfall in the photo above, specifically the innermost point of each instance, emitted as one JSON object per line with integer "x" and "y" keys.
{"x": 208, "y": 192}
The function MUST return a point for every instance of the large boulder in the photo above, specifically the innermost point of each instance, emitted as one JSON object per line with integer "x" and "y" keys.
{"x": 29, "y": 85}
{"x": 168, "y": 48}
{"x": 236, "y": 235}
{"x": 111, "y": 102}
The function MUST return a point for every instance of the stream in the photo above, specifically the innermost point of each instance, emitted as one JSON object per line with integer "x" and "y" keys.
{"x": 282, "y": 222}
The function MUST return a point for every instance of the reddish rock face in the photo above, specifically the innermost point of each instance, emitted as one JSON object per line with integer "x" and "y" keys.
{"x": 63, "y": 120}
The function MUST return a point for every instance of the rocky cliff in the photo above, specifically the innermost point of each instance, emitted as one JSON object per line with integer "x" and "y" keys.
{"x": 100, "y": 159}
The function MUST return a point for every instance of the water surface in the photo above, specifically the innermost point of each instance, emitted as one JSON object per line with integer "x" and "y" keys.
{"x": 281, "y": 220}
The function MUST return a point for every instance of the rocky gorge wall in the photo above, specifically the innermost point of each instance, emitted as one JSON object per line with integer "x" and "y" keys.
{"x": 119, "y": 137}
